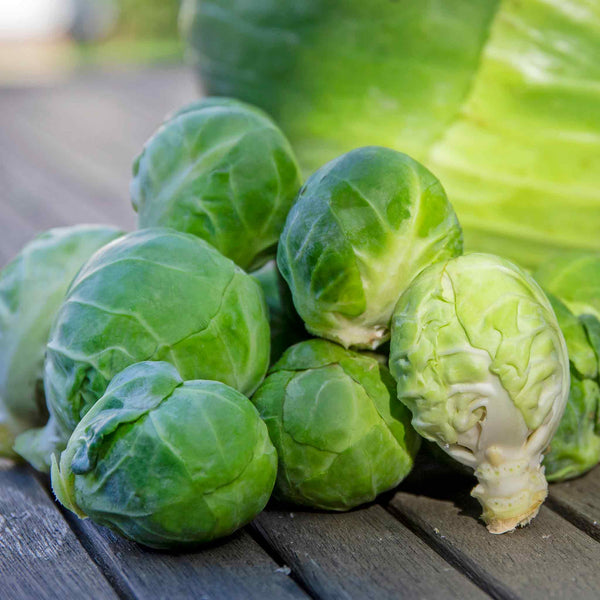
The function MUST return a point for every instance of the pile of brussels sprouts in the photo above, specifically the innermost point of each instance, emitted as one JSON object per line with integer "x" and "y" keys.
{"x": 135, "y": 367}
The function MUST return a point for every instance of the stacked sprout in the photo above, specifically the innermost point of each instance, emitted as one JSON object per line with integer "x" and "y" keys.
{"x": 153, "y": 342}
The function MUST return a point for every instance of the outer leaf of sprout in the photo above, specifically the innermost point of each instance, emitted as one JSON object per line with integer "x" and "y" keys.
{"x": 575, "y": 277}
{"x": 286, "y": 326}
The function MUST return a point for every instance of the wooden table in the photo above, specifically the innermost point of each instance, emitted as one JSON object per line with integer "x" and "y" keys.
{"x": 65, "y": 157}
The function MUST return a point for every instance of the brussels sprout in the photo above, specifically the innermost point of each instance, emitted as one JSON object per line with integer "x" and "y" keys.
{"x": 155, "y": 294}
{"x": 286, "y": 326}
{"x": 341, "y": 436}
{"x": 165, "y": 462}
{"x": 32, "y": 287}
{"x": 223, "y": 171}
{"x": 481, "y": 362}
{"x": 362, "y": 227}
{"x": 575, "y": 279}
{"x": 575, "y": 447}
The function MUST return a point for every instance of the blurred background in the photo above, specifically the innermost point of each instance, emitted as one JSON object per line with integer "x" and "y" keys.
{"x": 498, "y": 98}
{"x": 83, "y": 84}
{"x": 42, "y": 40}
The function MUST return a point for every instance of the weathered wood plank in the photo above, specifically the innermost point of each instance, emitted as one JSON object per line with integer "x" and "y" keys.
{"x": 49, "y": 188}
{"x": 234, "y": 568}
{"x": 550, "y": 558}
{"x": 579, "y": 502}
{"x": 361, "y": 554}
{"x": 40, "y": 557}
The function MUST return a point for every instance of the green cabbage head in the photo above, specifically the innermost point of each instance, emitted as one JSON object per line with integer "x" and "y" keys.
{"x": 32, "y": 286}
{"x": 499, "y": 98}
{"x": 166, "y": 462}
{"x": 222, "y": 170}
{"x": 360, "y": 230}
{"x": 481, "y": 362}
{"x": 341, "y": 435}
{"x": 155, "y": 294}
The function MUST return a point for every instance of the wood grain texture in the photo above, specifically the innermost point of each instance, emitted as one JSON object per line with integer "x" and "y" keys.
{"x": 543, "y": 560}
{"x": 361, "y": 554}
{"x": 66, "y": 151}
{"x": 579, "y": 502}
{"x": 40, "y": 557}
{"x": 235, "y": 568}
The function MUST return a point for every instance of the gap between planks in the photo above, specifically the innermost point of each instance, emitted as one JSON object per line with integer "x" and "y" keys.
{"x": 578, "y": 501}
{"x": 234, "y": 568}
{"x": 40, "y": 555}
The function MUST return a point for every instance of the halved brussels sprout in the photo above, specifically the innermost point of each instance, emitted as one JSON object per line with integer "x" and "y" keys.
{"x": 155, "y": 294}
{"x": 32, "y": 286}
{"x": 481, "y": 362}
{"x": 222, "y": 170}
{"x": 362, "y": 227}
{"x": 167, "y": 462}
{"x": 341, "y": 436}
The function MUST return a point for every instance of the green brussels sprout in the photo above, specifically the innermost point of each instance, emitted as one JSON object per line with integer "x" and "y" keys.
{"x": 32, "y": 286}
{"x": 167, "y": 462}
{"x": 575, "y": 447}
{"x": 362, "y": 227}
{"x": 341, "y": 436}
{"x": 481, "y": 362}
{"x": 155, "y": 294}
{"x": 221, "y": 170}
{"x": 575, "y": 279}
{"x": 286, "y": 326}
